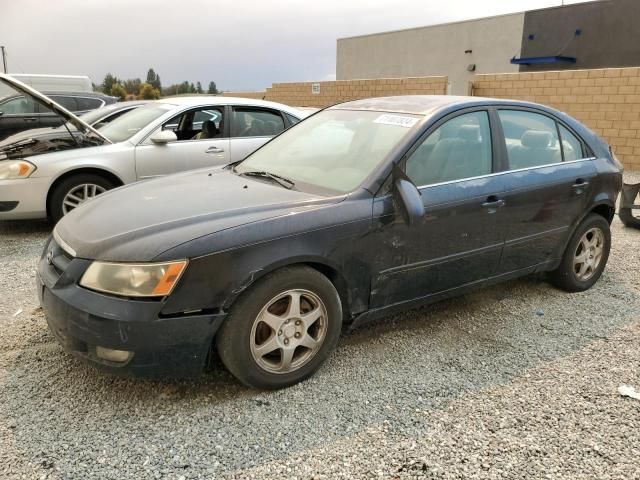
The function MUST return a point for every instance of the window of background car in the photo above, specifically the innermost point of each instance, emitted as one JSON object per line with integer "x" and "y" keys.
{"x": 334, "y": 149}
{"x": 17, "y": 106}
{"x": 67, "y": 102}
{"x": 132, "y": 122}
{"x": 460, "y": 148}
{"x": 85, "y": 103}
{"x": 571, "y": 146}
{"x": 532, "y": 139}
{"x": 251, "y": 122}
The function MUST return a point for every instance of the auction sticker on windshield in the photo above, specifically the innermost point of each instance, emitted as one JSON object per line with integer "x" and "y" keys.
{"x": 398, "y": 120}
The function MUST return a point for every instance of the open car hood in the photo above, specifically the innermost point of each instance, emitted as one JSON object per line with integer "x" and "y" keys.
{"x": 44, "y": 100}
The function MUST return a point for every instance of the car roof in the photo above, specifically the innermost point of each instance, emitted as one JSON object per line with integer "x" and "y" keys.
{"x": 421, "y": 104}
{"x": 200, "y": 99}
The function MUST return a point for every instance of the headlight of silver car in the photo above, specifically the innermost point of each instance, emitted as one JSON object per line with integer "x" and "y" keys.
{"x": 133, "y": 280}
{"x": 16, "y": 169}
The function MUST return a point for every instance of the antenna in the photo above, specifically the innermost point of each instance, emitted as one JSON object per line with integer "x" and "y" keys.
{"x": 4, "y": 58}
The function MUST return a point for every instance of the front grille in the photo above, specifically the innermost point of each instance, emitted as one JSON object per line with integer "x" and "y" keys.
{"x": 57, "y": 258}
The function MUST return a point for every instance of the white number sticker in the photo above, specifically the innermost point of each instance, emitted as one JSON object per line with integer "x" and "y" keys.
{"x": 397, "y": 120}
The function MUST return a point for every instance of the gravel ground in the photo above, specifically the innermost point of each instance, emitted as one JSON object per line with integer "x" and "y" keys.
{"x": 515, "y": 381}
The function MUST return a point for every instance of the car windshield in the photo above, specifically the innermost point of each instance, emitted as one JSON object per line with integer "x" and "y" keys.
{"x": 126, "y": 126}
{"x": 334, "y": 149}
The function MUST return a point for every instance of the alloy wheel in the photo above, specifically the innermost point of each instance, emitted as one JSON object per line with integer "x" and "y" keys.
{"x": 80, "y": 194}
{"x": 289, "y": 331}
{"x": 588, "y": 254}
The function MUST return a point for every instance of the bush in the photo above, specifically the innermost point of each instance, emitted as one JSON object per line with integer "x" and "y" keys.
{"x": 118, "y": 90}
{"x": 147, "y": 92}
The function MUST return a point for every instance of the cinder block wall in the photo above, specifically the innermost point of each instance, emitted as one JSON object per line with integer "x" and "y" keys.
{"x": 606, "y": 100}
{"x": 301, "y": 94}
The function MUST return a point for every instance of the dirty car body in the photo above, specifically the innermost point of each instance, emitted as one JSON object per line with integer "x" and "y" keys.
{"x": 390, "y": 237}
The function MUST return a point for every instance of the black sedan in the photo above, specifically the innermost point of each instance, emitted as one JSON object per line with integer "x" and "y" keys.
{"x": 363, "y": 209}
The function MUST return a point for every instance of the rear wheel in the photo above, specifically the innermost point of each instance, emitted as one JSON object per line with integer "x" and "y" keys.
{"x": 281, "y": 330}
{"x": 585, "y": 257}
{"x": 74, "y": 191}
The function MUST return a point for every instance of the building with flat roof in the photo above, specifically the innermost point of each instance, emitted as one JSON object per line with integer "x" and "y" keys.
{"x": 599, "y": 34}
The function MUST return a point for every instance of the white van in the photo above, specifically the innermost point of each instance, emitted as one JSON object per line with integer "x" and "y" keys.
{"x": 52, "y": 83}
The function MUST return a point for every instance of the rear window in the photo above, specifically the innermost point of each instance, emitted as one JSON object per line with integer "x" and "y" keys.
{"x": 85, "y": 103}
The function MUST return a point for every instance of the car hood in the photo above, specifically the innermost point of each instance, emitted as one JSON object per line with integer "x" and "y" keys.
{"x": 56, "y": 107}
{"x": 44, "y": 140}
{"x": 137, "y": 222}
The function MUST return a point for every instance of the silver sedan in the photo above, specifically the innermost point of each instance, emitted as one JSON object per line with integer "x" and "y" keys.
{"x": 163, "y": 137}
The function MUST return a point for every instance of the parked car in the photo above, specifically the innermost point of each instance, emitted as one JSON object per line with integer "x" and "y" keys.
{"x": 630, "y": 205}
{"x": 363, "y": 209}
{"x": 52, "y": 139}
{"x": 163, "y": 137}
{"x": 19, "y": 112}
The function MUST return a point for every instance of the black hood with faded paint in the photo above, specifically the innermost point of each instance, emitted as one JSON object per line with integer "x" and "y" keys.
{"x": 140, "y": 221}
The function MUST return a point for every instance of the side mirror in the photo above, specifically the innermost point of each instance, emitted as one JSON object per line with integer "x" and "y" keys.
{"x": 410, "y": 200}
{"x": 163, "y": 136}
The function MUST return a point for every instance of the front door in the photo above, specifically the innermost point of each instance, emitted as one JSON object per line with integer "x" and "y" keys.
{"x": 16, "y": 115}
{"x": 548, "y": 185}
{"x": 459, "y": 240}
{"x": 201, "y": 142}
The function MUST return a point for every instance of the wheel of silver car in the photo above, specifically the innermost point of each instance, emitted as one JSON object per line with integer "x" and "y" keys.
{"x": 80, "y": 194}
{"x": 588, "y": 254}
{"x": 280, "y": 330}
{"x": 75, "y": 190}
{"x": 288, "y": 331}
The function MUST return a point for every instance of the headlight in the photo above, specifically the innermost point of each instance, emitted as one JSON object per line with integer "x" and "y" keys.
{"x": 16, "y": 169}
{"x": 133, "y": 280}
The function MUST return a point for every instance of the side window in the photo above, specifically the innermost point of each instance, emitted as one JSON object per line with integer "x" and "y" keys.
{"x": 460, "y": 148}
{"x": 571, "y": 146}
{"x": 86, "y": 104}
{"x": 18, "y": 106}
{"x": 532, "y": 139}
{"x": 292, "y": 120}
{"x": 251, "y": 122}
{"x": 199, "y": 124}
{"x": 67, "y": 102}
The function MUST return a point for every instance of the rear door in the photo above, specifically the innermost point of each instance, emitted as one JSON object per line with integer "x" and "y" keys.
{"x": 198, "y": 145}
{"x": 252, "y": 127}
{"x": 549, "y": 172}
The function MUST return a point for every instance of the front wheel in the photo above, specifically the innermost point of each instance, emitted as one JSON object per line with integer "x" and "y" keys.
{"x": 585, "y": 256}
{"x": 74, "y": 191}
{"x": 281, "y": 330}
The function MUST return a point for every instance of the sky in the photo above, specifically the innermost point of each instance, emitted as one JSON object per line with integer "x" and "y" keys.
{"x": 240, "y": 44}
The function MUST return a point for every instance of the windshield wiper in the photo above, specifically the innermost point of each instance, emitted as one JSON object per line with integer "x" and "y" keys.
{"x": 285, "y": 182}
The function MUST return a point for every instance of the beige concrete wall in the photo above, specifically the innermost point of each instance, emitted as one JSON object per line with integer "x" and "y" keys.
{"x": 434, "y": 50}
{"x": 301, "y": 94}
{"x": 606, "y": 100}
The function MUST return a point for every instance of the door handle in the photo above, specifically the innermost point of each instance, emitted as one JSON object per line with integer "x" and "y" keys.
{"x": 494, "y": 202}
{"x": 214, "y": 150}
{"x": 580, "y": 184}
{"x": 30, "y": 119}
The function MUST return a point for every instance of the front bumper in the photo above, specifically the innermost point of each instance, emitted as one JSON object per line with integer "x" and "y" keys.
{"x": 82, "y": 320}
{"x": 30, "y": 195}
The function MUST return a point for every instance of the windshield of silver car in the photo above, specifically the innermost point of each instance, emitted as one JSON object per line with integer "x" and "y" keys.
{"x": 334, "y": 149}
{"x": 126, "y": 126}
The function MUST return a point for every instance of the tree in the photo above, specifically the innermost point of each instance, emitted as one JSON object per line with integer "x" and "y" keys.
{"x": 153, "y": 79}
{"x": 118, "y": 90}
{"x": 132, "y": 85}
{"x": 192, "y": 88}
{"x": 108, "y": 82}
{"x": 213, "y": 90}
{"x": 147, "y": 92}
{"x": 199, "y": 88}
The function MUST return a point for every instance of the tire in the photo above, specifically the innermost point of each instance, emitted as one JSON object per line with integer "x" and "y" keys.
{"x": 254, "y": 351}
{"x": 56, "y": 204}
{"x": 573, "y": 275}
{"x": 627, "y": 217}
